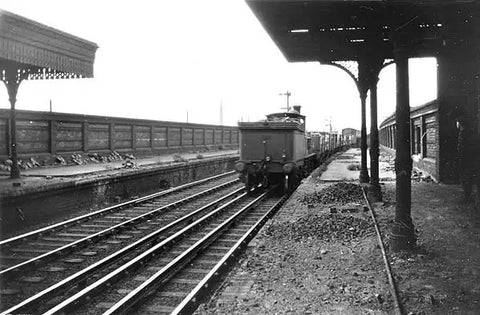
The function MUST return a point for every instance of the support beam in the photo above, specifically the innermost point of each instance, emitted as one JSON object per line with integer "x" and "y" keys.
{"x": 458, "y": 92}
{"x": 12, "y": 82}
{"x": 364, "y": 178}
{"x": 369, "y": 69}
{"x": 362, "y": 86}
{"x": 365, "y": 66}
{"x": 374, "y": 191}
{"x": 403, "y": 236}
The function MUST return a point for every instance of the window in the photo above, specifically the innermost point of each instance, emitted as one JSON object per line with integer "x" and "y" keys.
{"x": 418, "y": 140}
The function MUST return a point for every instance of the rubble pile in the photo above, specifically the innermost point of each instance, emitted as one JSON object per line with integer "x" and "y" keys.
{"x": 385, "y": 157}
{"x": 88, "y": 158}
{"x": 419, "y": 176}
{"x": 5, "y": 165}
{"x": 389, "y": 159}
{"x": 60, "y": 160}
{"x": 353, "y": 167}
{"x": 130, "y": 161}
{"x": 23, "y": 164}
{"x": 338, "y": 193}
{"x": 77, "y": 159}
{"x": 114, "y": 156}
{"x": 325, "y": 227}
{"x": 179, "y": 159}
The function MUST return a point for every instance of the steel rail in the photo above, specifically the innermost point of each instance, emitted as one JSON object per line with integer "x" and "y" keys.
{"x": 83, "y": 274}
{"x": 17, "y": 268}
{"x": 125, "y": 304}
{"x": 393, "y": 286}
{"x": 194, "y": 298}
{"x": 116, "y": 274}
{"x": 76, "y": 220}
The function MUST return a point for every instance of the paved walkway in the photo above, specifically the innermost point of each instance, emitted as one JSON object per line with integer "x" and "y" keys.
{"x": 338, "y": 169}
{"x": 74, "y": 170}
{"x": 55, "y": 175}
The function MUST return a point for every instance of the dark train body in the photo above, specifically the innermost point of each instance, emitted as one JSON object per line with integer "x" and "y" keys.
{"x": 275, "y": 150}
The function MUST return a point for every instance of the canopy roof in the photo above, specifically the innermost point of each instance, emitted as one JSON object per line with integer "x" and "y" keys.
{"x": 344, "y": 30}
{"x": 42, "y": 52}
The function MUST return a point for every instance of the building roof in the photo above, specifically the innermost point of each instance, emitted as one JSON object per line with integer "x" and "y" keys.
{"x": 343, "y": 30}
{"x": 416, "y": 111}
{"x": 43, "y": 51}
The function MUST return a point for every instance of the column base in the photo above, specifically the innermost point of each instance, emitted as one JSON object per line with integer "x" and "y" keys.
{"x": 15, "y": 173}
{"x": 402, "y": 236}
{"x": 374, "y": 192}
{"x": 364, "y": 178}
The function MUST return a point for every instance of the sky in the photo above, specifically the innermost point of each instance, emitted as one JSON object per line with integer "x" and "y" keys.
{"x": 173, "y": 60}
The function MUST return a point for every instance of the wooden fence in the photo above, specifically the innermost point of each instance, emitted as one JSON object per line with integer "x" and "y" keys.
{"x": 58, "y": 133}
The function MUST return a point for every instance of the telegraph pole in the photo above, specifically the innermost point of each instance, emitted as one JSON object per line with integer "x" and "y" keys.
{"x": 221, "y": 113}
{"x": 329, "y": 125}
{"x": 287, "y": 94}
{"x": 328, "y": 121}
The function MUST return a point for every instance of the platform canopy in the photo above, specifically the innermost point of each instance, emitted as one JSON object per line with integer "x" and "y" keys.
{"x": 30, "y": 50}
{"x": 42, "y": 52}
{"x": 347, "y": 30}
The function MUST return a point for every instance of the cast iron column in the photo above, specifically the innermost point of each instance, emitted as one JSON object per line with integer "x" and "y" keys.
{"x": 363, "y": 144}
{"x": 403, "y": 236}
{"x": 375, "y": 192}
{"x": 362, "y": 86}
{"x": 12, "y": 83}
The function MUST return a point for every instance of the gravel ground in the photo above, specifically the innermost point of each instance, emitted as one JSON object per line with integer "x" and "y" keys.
{"x": 312, "y": 258}
{"x": 290, "y": 270}
{"x": 342, "y": 193}
{"x": 442, "y": 274}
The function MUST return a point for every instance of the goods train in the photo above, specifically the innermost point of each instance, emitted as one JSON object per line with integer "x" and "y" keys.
{"x": 275, "y": 150}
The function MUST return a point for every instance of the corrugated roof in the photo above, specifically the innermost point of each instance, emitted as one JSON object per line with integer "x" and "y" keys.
{"x": 338, "y": 30}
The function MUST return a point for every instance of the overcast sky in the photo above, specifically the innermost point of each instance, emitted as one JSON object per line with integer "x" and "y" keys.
{"x": 160, "y": 59}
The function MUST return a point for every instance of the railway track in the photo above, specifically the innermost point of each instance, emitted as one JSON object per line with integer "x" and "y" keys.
{"x": 20, "y": 251}
{"x": 198, "y": 250}
{"x": 164, "y": 263}
{"x": 101, "y": 238}
{"x": 174, "y": 273}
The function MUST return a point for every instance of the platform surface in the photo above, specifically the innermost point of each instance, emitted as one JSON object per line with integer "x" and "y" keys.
{"x": 58, "y": 175}
{"x": 338, "y": 169}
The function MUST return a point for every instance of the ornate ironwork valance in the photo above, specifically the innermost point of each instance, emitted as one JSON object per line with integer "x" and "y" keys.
{"x": 30, "y": 50}
{"x": 42, "y": 52}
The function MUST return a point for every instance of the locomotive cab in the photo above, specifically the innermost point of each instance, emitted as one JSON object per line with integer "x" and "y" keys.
{"x": 273, "y": 150}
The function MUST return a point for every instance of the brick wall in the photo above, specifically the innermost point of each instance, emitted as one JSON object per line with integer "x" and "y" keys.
{"x": 424, "y": 138}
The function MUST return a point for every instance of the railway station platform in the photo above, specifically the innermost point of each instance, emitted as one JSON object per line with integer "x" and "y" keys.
{"x": 317, "y": 257}
{"x": 48, "y": 194}
{"x": 38, "y": 178}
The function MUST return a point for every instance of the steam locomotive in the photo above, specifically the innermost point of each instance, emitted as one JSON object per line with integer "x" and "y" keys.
{"x": 275, "y": 151}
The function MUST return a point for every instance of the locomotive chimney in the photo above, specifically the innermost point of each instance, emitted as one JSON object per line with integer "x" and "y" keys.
{"x": 297, "y": 108}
